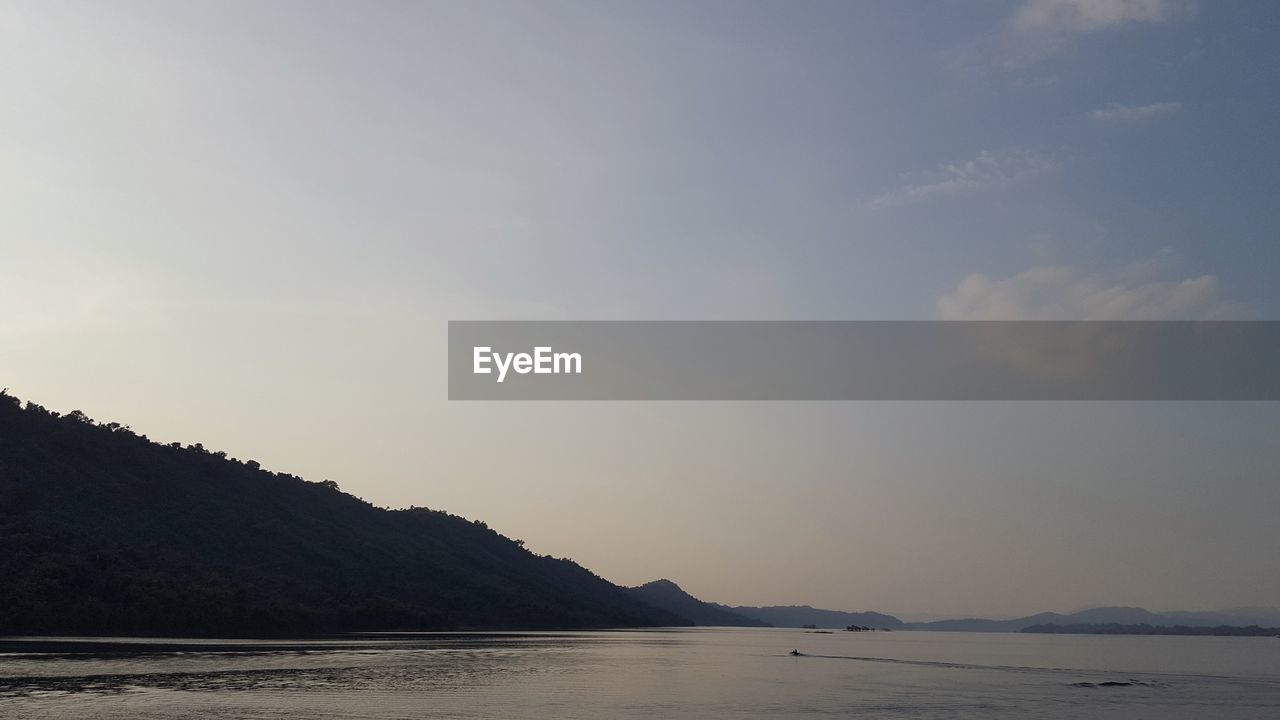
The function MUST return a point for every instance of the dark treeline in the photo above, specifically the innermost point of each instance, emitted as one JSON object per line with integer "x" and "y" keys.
{"x": 104, "y": 532}
{"x": 1144, "y": 629}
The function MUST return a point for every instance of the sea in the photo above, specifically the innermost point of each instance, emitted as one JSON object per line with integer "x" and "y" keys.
{"x": 702, "y": 673}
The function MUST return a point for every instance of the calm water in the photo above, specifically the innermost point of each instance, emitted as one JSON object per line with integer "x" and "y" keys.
{"x": 702, "y": 673}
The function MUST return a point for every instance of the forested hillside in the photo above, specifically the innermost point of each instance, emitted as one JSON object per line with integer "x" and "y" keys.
{"x": 104, "y": 532}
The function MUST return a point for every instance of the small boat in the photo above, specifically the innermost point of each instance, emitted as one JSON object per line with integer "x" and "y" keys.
{"x": 796, "y": 653}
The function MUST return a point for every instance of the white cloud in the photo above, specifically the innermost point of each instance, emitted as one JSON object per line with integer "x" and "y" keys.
{"x": 1038, "y": 30}
{"x": 1081, "y": 351}
{"x": 1088, "y": 15}
{"x": 989, "y": 169}
{"x": 1135, "y": 113}
{"x": 1065, "y": 293}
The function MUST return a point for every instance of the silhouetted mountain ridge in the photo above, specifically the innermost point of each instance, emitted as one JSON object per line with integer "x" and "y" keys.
{"x": 103, "y": 532}
{"x": 672, "y": 598}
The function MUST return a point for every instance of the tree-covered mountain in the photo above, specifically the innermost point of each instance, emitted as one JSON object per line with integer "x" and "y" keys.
{"x": 104, "y": 532}
{"x": 671, "y": 597}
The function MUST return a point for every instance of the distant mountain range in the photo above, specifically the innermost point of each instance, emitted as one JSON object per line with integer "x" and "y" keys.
{"x": 1263, "y": 616}
{"x": 1145, "y": 629}
{"x": 801, "y": 615}
{"x": 668, "y": 596}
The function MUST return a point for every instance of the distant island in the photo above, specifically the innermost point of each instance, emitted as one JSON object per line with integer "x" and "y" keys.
{"x": 104, "y": 532}
{"x": 1144, "y": 629}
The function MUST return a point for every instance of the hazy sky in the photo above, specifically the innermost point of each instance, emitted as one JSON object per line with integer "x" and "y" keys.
{"x": 246, "y": 225}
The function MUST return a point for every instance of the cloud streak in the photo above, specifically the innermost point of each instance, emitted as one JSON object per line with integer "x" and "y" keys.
{"x": 1081, "y": 16}
{"x": 987, "y": 170}
{"x": 1135, "y": 113}
{"x": 1065, "y": 293}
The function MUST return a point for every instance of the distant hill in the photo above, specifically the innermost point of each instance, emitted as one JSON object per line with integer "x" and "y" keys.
{"x": 1116, "y": 615}
{"x": 672, "y": 598}
{"x": 103, "y": 532}
{"x": 1145, "y": 629}
{"x": 985, "y": 625}
{"x": 1262, "y": 616}
{"x": 801, "y": 615}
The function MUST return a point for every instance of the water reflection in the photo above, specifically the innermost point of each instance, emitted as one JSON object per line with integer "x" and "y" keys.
{"x": 412, "y": 662}
{"x": 688, "y": 673}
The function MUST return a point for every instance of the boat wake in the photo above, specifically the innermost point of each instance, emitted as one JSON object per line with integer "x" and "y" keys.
{"x": 1145, "y": 680}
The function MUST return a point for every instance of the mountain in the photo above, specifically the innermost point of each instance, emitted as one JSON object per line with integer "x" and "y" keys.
{"x": 1112, "y": 615}
{"x": 103, "y": 532}
{"x": 672, "y": 598}
{"x": 802, "y": 615}
{"x": 1145, "y": 629}
{"x": 985, "y": 625}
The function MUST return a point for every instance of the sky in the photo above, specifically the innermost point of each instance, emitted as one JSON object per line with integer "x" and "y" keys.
{"x": 247, "y": 225}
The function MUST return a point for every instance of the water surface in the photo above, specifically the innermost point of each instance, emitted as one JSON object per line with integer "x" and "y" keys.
{"x": 676, "y": 673}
